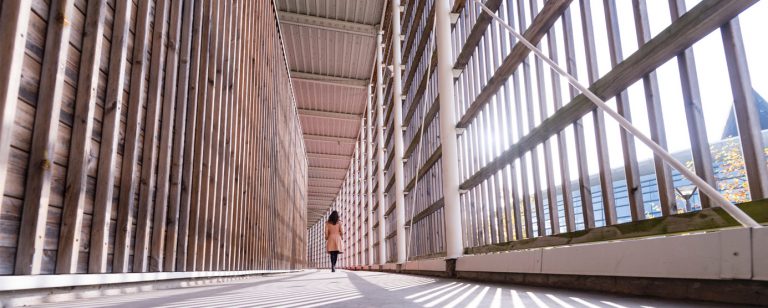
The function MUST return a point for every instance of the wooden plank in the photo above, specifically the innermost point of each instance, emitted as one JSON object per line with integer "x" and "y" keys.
{"x": 127, "y": 183}
{"x": 655, "y": 116}
{"x": 551, "y": 193}
{"x": 34, "y": 213}
{"x": 562, "y": 144}
{"x": 149, "y": 157}
{"x": 176, "y": 247}
{"x": 747, "y": 115}
{"x": 80, "y": 144}
{"x": 197, "y": 204}
{"x": 231, "y": 140}
{"x": 539, "y": 26}
{"x": 219, "y": 202}
{"x": 236, "y": 175}
{"x": 105, "y": 180}
{"x": 701, "y": 20}
{"x": 585, "y": 188}
{"x": 13, "y": 31}
{"x": 476, "y": 34}
{"x": 598, "y": 119}
{"x": 631, "y": 168}
{"x": 205, "y": 234}
{"x": 168, "y": 119}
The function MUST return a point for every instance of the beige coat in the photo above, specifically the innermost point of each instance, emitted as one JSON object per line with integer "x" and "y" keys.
{"x": 333, "y": 235}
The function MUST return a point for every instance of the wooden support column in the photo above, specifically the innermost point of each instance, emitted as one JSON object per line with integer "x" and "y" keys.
{"x": 110, "y": 129}
{"x": 183, "y": 140}
{"x": 747, "y": 115}
{"x": 598, "y": 117}
{"x": 655, "y": 116}
{"x": 697, "y": 131}
{"x": 34, "y": 213}
{"x": 80, "y": 146}
{"x": 205, "y": 234}
{"x": 13, "y": 31}
{"x": 149, "y": 157}
{"x": 169, "y": 109}
{"x": 631, "y": 167}
{"x": 130, "y": 152}
{"x": 195, "y": 246}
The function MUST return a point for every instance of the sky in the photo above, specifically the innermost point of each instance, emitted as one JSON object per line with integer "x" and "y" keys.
{"x": 711, "y": 67}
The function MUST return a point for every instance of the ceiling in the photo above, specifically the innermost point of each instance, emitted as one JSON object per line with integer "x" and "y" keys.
{"x": 330, "y": 45}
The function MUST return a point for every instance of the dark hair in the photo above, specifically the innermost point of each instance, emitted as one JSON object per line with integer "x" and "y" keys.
{"x": 334, "y": 217}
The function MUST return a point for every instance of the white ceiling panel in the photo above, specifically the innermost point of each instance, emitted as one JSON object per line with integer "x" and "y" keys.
{"x": 330, "y": 47}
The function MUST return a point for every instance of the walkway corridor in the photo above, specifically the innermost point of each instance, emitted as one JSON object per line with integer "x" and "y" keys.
{"x": 367, "y": 289}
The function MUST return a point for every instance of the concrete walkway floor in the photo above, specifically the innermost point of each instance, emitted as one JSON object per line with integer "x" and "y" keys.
{"x": 314, "y": 288}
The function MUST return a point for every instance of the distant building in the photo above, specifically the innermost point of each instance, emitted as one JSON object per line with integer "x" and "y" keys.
{"x": 731, "y": 130}
{"x": 648, "y": 183}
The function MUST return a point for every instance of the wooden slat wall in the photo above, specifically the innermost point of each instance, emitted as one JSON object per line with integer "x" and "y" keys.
{"x": 536, "y": 158}
{"x": 148, "y": 135}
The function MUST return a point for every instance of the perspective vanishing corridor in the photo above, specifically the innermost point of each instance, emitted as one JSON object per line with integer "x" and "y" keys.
{"x": 481, "y": 153}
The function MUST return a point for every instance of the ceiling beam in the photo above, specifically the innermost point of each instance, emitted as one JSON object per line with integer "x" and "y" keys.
{"x": 324, "y": 179}
{"x": 327, "y": 169}
{"x": 328, "y": 115}
{"x": 329, "y": 80}
{"x": 338, "y": 140}
{"x": 321, "y": 198}
{"x": 326, "y": 24}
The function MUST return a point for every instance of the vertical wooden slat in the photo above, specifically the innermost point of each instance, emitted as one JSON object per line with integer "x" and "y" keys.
{"x": 655, "y": 115}
{"x": 149, "y": 157}
{"x": 514, "y": 224}
{"x": 209, "y": 162}
{"x": 186, "y": 116}
{"x": 631, "y": 168}
{"x": 702, "y": 157}
{"x": 168, "y": 117}
{"x": 205, "y": 233}
{"x": 34, "y": 213}
{"x": 130, "y": 155}
{"x": 246, "y": 179}
{"x": 13, "y": 31}
{"x": 223, "y": 89}
{"x": 105, "y": 179}
{"x": 197, "y": 206}
{"x": 598, "y": 117}
{"x": 231, "y": 137}
{"x": 80, "y": 146}
{"x": 747, "y": 115}
{"x": 235, "y": 175}
{"x": 585, "y": 187}
{"x": 565, "y": 174}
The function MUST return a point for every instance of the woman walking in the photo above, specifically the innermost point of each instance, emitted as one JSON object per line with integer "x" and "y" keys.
{"x": 333, "y": 238}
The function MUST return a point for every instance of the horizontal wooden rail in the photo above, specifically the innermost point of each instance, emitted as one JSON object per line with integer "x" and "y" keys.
{"x": 476, "y": 34}
{"x": 428, "y": 164}
{"x": 426, "y": 212}
{"x": 535, "y": 32}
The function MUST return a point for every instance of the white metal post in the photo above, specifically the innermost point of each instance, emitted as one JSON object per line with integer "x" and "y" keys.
{"x": 397, "y": 110}
{"x": 356, "y": 203}
{"x": 380, "y": 148}
{"x": 369, "y": 175}
{"x": 450, "y": 159}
